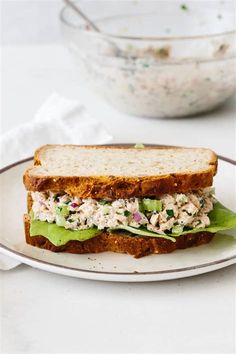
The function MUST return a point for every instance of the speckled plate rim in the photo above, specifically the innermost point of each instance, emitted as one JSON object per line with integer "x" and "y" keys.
{"x": 119, "y": 276}
{"x": 167, "y": 274}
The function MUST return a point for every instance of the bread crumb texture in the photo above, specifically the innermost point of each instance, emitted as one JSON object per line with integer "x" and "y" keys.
{"x": 69, "y": 160}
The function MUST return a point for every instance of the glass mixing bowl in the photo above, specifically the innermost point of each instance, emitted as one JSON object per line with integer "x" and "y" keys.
{"x": 167, "y": 61}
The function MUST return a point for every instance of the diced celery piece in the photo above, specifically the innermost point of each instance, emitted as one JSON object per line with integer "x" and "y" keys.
{"x": 139, "y": 146}
{"x": 177, "y": 229}
{"x": 62, "y": 210}
{"x": 152, "y": 204}
{"x": 105, "y": 210}
{"x": 60, "y": 220}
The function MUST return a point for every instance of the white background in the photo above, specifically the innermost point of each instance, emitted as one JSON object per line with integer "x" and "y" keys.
{"x": 48, "y": 313}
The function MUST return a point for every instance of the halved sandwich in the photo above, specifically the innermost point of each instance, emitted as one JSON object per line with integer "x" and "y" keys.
{"x": 89, "y": 199}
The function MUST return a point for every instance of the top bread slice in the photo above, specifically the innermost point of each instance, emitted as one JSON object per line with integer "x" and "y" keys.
{"x": 120, "y": 172}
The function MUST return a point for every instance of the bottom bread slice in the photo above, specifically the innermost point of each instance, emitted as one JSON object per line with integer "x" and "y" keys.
{"x": 119, "y": 242}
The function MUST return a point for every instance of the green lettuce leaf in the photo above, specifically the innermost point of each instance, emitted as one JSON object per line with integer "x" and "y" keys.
{"x": 142, "y": 232}
{"x": 58, "y": 235}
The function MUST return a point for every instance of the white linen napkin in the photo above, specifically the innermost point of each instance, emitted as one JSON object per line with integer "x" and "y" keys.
{"x": 58, "y": 121}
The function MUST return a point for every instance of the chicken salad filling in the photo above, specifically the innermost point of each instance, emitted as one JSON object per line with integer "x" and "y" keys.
{"x": 168, "y": 214}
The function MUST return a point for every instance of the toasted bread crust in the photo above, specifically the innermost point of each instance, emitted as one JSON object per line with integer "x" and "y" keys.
{"x": 116, "y": 187}
{"x": 119, "y": 187}
{"x": 119, "y": 242}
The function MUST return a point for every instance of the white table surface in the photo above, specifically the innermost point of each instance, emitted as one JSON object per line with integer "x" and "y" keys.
{"x": 46, "y": 313}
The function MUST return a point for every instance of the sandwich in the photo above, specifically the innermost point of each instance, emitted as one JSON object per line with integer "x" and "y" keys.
{"x": 134, "y": 200}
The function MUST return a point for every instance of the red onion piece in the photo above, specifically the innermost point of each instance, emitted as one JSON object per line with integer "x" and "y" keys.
{"x": 74, "y": 205}
{"x": 137, "y": 216}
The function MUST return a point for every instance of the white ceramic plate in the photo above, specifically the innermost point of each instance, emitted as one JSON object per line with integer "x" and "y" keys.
{"x": 219, "y": 253}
